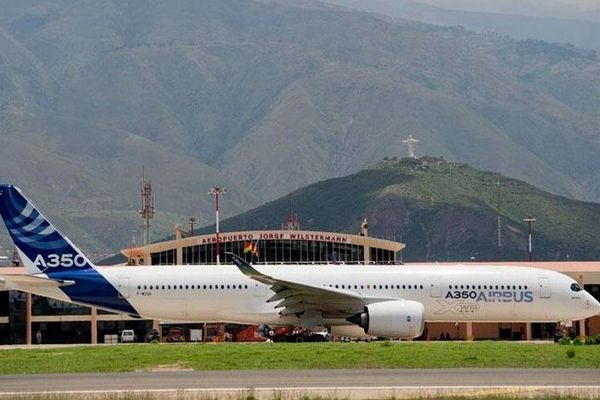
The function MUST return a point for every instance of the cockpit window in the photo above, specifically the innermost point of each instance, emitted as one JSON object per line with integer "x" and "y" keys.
{"x": 575, "y": 287}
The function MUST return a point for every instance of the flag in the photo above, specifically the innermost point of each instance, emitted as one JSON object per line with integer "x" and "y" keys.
{"x": 251, "y": 248}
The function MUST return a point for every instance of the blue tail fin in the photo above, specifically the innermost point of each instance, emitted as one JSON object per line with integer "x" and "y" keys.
{"x": 43, "y": 249}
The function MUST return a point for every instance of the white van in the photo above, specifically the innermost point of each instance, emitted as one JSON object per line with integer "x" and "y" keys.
{"x": 127, "y": 336}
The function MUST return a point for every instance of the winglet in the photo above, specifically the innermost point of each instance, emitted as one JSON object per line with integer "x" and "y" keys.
{"x": 247, "y": 269}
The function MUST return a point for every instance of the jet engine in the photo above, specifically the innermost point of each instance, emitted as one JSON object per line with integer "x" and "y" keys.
{"x": 395, "y": 318}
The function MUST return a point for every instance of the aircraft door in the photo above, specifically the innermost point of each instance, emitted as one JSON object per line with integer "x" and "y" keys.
{"x": 435, "y": 288}
{"x": 123, "y": 288}
{"x": 544, "y": 285}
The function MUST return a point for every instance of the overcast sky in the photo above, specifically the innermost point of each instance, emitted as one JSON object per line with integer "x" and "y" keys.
{"x": 580, "y": 9}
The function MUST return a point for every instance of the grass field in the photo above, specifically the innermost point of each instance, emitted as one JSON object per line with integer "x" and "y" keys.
{"x": 137, "y": 357}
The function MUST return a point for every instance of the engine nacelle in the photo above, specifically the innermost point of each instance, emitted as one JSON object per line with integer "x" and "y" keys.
{"x": 396, "y": 318}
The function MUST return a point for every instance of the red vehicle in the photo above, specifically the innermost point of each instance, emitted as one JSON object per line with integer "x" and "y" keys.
{"x": 176, "y": 335}
{"x": 296, "y": 334}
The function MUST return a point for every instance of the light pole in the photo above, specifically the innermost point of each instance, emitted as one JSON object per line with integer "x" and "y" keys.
{"x": 192, "y": 222}
{"x": 530, "y": 222}
{"x": 217, "y": 191}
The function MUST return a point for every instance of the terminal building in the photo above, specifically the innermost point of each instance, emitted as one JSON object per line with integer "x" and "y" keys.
{"x": 23, "y": 315}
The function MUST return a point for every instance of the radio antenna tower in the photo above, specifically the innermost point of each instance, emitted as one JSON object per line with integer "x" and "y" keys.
{"x": 147, "y": 211}
{"x": 411, "y": 144}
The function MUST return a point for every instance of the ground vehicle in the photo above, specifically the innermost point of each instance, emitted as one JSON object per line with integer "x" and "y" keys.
{"x": 195, "y": 335}
{"x": 288, "y": 334}
{"x": 127, "y": 336}
{"x": 152, "y": 335}
{"x": 176, "y": 335}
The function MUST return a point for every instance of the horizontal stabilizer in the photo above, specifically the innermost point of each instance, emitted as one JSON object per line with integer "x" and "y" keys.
{"x": 22, "y": 282}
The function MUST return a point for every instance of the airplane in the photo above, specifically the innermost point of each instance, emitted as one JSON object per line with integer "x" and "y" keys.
{"x": 385, "y": 301}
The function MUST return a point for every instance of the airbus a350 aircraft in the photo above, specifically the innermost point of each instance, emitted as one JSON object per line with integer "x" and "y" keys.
{"x": 391, "y": 301}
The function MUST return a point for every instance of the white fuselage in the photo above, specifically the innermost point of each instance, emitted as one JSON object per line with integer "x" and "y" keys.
{"x": 448, "y": 293}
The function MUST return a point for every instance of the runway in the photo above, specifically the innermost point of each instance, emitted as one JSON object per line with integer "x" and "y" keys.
{"x": 359, "y": 383}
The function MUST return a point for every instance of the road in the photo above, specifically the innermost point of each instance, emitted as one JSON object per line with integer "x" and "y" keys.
{"x": 371, "y": 382}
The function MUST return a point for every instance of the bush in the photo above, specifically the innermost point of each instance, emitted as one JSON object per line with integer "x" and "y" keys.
{"x": 571, "y": 353}
{"x": 577, "y": 341}
{"x": 564, "y": 340}
{"x": 590, "y": 340}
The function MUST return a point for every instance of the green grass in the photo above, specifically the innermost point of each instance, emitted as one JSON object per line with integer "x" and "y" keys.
{"x": 296, "y": 356}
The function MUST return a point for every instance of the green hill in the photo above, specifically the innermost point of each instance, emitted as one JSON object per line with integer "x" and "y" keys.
{"x": 441, "y": 210}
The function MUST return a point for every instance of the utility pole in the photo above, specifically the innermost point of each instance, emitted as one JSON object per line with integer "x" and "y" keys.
{"x": 530, "y": 222}
{"x": 217, "y": 191}
{"x": 499, "y": 231}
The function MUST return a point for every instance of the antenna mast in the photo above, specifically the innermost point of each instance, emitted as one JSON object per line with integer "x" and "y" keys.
{"x": 147, "y": 211}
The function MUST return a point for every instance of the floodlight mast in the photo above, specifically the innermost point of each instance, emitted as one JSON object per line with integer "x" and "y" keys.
{"x": 530, "y": 222}
{"x": 217, "y": 191}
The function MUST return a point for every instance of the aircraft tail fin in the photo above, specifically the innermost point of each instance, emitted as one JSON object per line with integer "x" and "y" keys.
{"x": 42, "y": 248}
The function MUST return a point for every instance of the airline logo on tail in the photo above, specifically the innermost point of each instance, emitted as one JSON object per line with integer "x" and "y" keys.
{"x": 43, "y": 249}
{"x": 40, "y": 245}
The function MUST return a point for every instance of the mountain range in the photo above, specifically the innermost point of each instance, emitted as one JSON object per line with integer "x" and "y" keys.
{"x": 576, "y": 30}
{"x": 264, "y": 97}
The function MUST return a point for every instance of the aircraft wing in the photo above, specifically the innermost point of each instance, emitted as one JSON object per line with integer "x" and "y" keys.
{"x": 23, "y": 282}
{"x": 298, "y": 298}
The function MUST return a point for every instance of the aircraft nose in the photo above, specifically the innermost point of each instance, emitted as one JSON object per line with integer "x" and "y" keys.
{"x": 593, "y": 305}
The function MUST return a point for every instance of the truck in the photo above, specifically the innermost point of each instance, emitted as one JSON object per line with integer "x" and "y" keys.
{"x": 195, "y": 335}
{"x": 127, "y": 336}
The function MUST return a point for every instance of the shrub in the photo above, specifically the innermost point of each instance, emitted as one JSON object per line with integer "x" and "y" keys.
{"x": 590, "y": 340}
{"x": 577, "y": 341}
{"x": 564, "y": 340}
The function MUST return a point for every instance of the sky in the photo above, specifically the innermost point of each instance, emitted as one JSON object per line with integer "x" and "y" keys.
{"x": 576, "y": 9}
